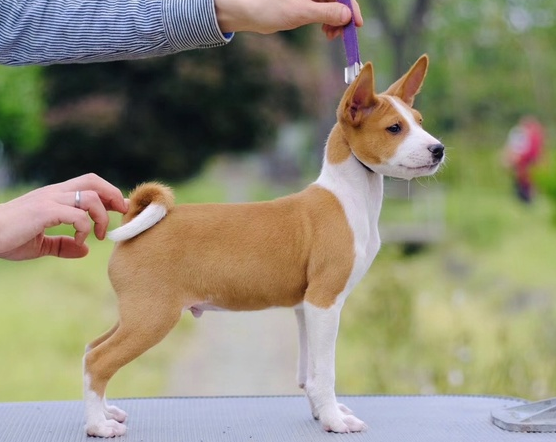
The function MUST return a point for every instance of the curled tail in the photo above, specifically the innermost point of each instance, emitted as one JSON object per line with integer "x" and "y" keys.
{"x": 148, "y": 204}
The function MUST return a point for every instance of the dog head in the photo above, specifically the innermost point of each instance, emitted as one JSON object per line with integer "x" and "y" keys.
{"x": 383, "y": 130}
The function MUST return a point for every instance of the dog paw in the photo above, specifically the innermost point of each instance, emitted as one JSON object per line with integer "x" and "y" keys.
{"x": 115, "y": 413}
{"x": 342, "y": 423}
{"x": 344, "y": 409}
{"x": 107, "y": 428}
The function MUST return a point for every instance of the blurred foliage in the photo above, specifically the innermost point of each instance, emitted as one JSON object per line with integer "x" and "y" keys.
{"x": 544, "y": 177}
{"x": 21, "y": 109}
{"x": 163, "y": 118}
{"x": 403, "y": 24}
{"x": 60, "y": 305}
{"x": 446, "y": 324}
{"x": 473, "y": 314}
{"x": 491, "y": 62}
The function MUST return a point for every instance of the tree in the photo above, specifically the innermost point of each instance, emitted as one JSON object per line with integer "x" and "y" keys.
{"x": 489, "y": 62}
{"x": 404, "y": 34}
{"x": 163, "y": 118}
{"x": 21, "y": 109}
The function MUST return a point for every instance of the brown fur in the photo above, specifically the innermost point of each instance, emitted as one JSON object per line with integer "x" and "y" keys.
{"x": 145, "y": 194}
{"x": 191, "y": 257}
{"x": 250, "y": 256}
{"x": 192, "y": 253}
{"x": 361, "y": 110}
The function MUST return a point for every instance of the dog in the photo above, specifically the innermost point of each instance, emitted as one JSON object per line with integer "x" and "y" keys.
{"x": 306, "y": 251}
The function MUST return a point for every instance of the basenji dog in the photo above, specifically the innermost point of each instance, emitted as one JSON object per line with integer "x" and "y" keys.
{"x": 306, "y": 251}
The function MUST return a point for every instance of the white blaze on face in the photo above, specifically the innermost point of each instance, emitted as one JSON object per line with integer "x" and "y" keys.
{"x": 412, "y": 157}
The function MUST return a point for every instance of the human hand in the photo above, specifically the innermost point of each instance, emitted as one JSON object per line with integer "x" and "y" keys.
{"x": 266, "y": 17}
{"x": 24, "y": 219}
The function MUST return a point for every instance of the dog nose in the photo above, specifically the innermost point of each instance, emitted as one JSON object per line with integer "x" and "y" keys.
{"x": 437, "y": 151}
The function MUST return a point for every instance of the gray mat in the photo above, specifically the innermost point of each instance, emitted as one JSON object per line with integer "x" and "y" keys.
{"x": 269, "y": 419}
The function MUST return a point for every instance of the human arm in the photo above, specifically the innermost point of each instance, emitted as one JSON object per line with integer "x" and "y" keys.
{"x": 23, "y": 220}
{"x": 266, "y": 17}
{"x": 82, "y": 31}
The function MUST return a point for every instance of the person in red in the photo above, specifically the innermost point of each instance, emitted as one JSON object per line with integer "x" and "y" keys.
{"x": 522, "y": 151}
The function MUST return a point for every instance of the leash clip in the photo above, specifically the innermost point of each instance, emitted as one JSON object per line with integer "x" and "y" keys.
{"x": 352, "y": 71}
{"x": 351, "y": 47}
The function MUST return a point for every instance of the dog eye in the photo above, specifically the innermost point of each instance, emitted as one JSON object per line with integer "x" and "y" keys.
{"x": 394, "y": 129}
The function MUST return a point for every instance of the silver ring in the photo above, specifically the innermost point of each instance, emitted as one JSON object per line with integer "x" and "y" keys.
{"x": 77, "y": 202}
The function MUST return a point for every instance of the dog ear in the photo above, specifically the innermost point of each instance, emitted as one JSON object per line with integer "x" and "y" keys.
{"x": 360, "y": 96}
{"x": 408, "y": 86}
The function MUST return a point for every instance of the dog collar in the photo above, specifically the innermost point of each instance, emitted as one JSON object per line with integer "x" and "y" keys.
{"x": 363, "y": 164}
{"x": 351, "y": 47}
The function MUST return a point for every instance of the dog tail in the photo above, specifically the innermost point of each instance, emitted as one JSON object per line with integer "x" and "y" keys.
{"x": 148, "y": 204}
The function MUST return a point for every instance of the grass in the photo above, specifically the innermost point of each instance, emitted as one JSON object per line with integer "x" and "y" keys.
{"x": 473, "y": 313}
{"x": 51, "y": 308}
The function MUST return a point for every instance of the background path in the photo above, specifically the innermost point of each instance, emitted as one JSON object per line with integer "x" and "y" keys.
{"x": 228, "y": 354}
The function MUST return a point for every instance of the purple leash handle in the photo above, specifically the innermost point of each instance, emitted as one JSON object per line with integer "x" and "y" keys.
{"x": 351, "y": 46}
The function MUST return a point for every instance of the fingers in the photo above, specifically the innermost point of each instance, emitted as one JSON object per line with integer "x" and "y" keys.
{"x": 67, "y": 214}
{"x": 331, "y": 32}
{"x": 97, "y": 196}
{"x": 62, "y": 247}
{"x": 23, "y": 220}
{"x": 91, "y": 202}
{"x": 111, "y": 197}
{"x": 357, "y": 16}
{"x": 333, "y": 14}
{"x": 338, "y": 16}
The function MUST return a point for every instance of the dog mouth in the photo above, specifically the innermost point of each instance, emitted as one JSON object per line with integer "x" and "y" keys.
{"x": 427, "y": 167}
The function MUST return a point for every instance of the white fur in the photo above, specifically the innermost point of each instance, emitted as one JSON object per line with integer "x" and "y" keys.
{"x": 412, "y": 158}
{"x": 102, "y": 420}
{"x": 321, "y": 333}
{"x": 152, "y": 214}
{"x": 360, "y": 193}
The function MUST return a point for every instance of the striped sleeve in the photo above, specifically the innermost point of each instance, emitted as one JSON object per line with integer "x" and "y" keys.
{"x": 82, "y": 31}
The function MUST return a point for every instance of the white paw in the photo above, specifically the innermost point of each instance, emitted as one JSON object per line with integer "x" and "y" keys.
{"x": 339, "y": 422}
{"x": 115, "y": 413}
{"x": 107, "y": 428}
{"x": 344, "y": 409}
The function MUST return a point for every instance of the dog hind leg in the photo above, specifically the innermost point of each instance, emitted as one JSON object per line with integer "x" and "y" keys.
{"x": 110, "y": 411}
{"x": 138, "y": 331}
{"x": 101, "y": 338}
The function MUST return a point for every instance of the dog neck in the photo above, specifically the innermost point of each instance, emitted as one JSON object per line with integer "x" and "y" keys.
{"x": 350, "y": 180}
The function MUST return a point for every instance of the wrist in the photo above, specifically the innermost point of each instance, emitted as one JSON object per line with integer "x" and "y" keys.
{"x": 232, "y": 16}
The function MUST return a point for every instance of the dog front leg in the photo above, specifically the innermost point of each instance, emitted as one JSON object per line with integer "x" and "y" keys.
{"x": 302, "y": 361}
{"x": 321, "y": 326}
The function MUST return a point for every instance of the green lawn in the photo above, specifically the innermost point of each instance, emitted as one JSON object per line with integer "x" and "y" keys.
{"x": 474, "y": 313}
{"x": 50, "y": 308}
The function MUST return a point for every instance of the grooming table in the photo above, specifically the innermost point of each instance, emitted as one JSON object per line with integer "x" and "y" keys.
{"x": 269, "y": 419}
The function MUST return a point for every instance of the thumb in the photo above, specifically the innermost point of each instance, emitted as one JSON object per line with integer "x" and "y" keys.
{"x": 330, "y": 13}
{"x": 63, "y": 247}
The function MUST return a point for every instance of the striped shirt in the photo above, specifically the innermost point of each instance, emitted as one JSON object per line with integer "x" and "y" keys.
{"x": 82, "y": 31}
